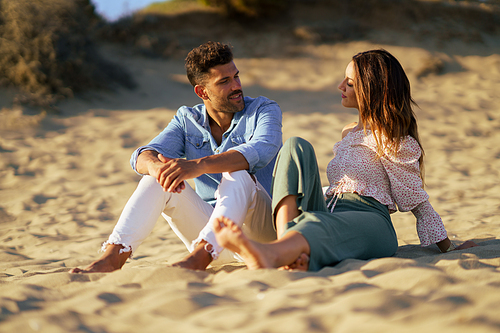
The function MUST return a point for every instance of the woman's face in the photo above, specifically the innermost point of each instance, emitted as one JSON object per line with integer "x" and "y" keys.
{"x": 347, "y": 87}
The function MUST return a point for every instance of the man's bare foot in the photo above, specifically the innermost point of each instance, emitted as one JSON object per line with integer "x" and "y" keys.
{"x": 301, "y": 264}
{"x": 110, "y": 261}
{"x": 230, "y": 236}
{"x": 199, "y": 259}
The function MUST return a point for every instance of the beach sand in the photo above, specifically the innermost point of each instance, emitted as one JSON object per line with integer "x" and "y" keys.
{"x": 65, "y": 178}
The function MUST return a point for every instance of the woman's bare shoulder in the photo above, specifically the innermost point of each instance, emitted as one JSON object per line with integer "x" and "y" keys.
{"x": 348, "y": 128}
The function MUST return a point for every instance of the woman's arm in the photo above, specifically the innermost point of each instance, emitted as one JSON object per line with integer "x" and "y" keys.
{"x": 406, "y": 187}
{"x": 430, "y": 228}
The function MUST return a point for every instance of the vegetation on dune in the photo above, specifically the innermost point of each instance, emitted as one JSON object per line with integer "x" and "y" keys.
{"x": 275, "y": 27}
{"x": 248, "y": 8}
{"x": 263, "y": 8}
{"x": 173, "y": 7}
{"x": 46, "y": 50}
{"x": 48, "y": 47}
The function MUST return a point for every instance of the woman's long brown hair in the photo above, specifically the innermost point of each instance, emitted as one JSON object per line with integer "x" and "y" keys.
{"x": 385, "y": 102}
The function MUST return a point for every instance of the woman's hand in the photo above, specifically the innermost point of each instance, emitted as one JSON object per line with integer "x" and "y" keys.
{"x": 466, "y": 245}
{"x": 446, "y": 245}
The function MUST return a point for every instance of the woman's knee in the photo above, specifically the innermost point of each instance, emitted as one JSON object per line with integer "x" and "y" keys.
{"x": 296, "y": 141}
{"x": 297, "y": 144}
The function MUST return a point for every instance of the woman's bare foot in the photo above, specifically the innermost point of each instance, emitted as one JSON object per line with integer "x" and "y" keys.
{"x": 301, "y": 264}
{"x": 110, "y": 261}
{"x": 230, "y": 236}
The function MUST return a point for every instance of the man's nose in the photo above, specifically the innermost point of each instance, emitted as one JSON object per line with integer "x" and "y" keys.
{"x": 236, "y": 84}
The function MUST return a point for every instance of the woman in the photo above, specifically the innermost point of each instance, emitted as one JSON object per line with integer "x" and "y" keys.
{"x": 377, "y": 168}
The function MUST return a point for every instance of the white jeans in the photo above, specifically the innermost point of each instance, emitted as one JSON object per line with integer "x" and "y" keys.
{"x": 238, "y": 197}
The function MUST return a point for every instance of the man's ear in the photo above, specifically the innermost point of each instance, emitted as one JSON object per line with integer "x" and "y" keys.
{"x": 201, "y": 91}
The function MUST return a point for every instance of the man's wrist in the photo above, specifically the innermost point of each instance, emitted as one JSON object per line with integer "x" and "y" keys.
{"x": 146, "y": 161}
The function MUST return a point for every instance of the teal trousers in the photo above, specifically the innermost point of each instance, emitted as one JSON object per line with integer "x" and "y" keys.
{"x": 359, "y": 227}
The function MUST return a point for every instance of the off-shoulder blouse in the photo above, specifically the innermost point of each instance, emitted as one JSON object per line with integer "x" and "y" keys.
{"x": 393, "y": 180}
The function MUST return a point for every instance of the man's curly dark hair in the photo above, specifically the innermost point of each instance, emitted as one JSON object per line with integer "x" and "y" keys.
{"x": 199, "y": 61}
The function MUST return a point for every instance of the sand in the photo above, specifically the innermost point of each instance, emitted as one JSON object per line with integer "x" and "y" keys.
{"x": 65, "y": 178}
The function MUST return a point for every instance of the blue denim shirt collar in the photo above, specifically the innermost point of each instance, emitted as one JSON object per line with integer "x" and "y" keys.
{"x": 206, "y": 123}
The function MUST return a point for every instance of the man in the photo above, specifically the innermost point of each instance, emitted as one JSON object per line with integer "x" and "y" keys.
{"x": 228, "y": 145}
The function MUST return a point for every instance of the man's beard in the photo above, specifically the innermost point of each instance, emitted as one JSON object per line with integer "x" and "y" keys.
{"x": 229, "y": 107}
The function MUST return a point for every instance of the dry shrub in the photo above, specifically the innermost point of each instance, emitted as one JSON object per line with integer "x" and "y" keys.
{"x": 250, "y": 8}
{"x": 46, "y": 50}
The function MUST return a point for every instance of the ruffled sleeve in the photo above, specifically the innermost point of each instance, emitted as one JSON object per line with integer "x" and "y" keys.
{"x": 430, "y": 227}
{"x": 404, "y": 175}
{"x": 406, "y": 189}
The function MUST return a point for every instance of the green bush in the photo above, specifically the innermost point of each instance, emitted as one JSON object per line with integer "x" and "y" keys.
{"x": 47, "y": 52}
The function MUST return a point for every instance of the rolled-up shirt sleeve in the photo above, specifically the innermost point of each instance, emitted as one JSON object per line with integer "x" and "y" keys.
{"x": 169, "y": 143}
{"x": 266, "y": 139}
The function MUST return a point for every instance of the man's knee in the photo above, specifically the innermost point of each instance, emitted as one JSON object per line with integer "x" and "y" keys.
{"x": 240, "y": 177}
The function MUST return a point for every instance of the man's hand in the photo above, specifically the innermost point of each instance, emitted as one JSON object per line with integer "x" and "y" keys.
{"x": 171, "y": 173}
{"x": 156, "y": 166}
{"x": 161, "y": 167}
{"x": 174, "y": 171}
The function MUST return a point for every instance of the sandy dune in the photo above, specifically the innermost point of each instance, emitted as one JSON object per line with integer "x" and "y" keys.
{"x": 64, "y": 182}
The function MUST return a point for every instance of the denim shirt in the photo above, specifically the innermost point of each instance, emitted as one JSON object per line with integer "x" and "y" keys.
{"x": 255, "y": 132}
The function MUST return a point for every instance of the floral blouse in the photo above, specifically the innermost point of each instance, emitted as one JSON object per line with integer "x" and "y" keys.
{"x": 392, "y": 180}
